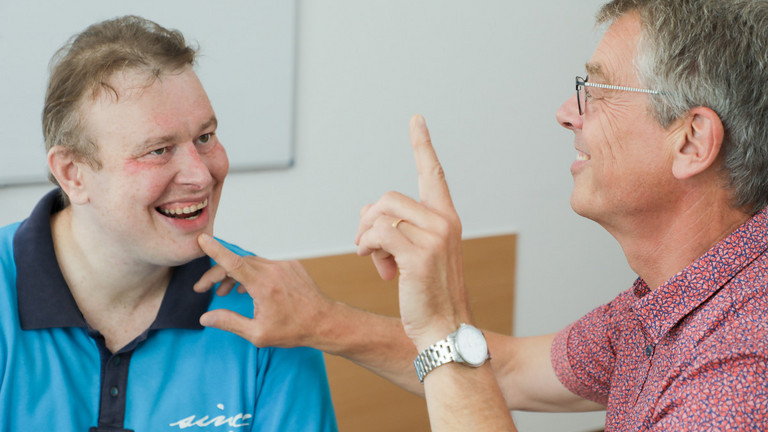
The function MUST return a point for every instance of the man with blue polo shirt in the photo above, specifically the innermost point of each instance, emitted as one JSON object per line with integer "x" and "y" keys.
{"x": 99, "y": 323}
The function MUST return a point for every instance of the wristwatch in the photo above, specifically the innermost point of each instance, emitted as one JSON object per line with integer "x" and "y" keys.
{"x": 466, "y": 346}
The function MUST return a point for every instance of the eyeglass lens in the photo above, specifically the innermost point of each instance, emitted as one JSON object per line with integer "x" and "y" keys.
{"x": 581, "y": 95}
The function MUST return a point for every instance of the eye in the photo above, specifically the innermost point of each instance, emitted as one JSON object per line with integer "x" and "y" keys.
{"x": 159, "y": 152}
{"x": 205, "y": 142}
{"x": 205, "y": 138}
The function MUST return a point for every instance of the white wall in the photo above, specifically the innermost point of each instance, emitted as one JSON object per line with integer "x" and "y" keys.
{"x": 488, "y": 75}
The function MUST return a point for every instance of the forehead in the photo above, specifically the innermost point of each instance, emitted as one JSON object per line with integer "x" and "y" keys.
{"x": 138, "y": 87}
{"x": 137, "y": 106}
{"x": 613, "y": 59}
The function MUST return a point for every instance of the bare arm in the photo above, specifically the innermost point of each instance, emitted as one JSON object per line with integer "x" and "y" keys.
{"x": 425, "y": 253}
{"x": 521, "y": 366}
{"x": 526, "y": 376}
{"x": 289, "y": 311}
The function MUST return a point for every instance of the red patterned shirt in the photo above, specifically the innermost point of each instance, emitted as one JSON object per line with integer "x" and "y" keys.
{"x": 691, "y": 355}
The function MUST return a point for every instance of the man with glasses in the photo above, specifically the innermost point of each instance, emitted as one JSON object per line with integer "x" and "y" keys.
{"x": 672, "y": 159}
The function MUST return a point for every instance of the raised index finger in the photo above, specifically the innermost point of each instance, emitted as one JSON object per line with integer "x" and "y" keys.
{"x": 433, "y": 189}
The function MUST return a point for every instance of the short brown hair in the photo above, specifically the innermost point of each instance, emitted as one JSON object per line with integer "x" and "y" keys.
{"x": 81, "y": 69}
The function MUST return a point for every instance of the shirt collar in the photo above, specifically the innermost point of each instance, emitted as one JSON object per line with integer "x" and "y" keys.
{"x": 45, "y": 301}
{"x": 661, "y": 309}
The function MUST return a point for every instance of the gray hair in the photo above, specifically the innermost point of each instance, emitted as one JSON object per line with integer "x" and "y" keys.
{"x": 711, "y": 53}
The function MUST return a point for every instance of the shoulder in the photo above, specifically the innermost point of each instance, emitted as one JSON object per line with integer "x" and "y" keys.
{"x": 235, "y": 248}
{"x": 7, "y": 232}
{"x": 6, "y": 243}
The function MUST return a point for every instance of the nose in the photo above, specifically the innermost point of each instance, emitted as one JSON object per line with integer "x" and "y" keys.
{"x": 568, "y": 114}
{"x": 192, "y": 167}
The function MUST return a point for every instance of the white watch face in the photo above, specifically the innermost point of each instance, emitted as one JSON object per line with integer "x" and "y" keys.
{"x": 471, "y": 345}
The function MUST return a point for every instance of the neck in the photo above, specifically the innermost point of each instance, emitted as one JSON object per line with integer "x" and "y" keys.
{"x": 660, "y": 245}
{"x": 117, "y": 296}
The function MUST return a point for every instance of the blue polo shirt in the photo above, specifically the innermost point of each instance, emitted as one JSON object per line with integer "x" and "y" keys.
{"x": 56, "y": 373}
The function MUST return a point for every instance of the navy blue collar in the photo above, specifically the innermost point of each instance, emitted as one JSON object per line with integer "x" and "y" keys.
{"x": 45, "y": 300}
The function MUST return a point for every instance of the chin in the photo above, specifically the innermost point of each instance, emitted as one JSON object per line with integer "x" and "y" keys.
{"x": 583, "y": 208}
{"x": 576, "y": 204}
{"x": 182, "y": 254}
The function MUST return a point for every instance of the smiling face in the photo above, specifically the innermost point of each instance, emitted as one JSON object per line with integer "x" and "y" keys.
{"x": 623, "y": 162}
{"x": 162, "y": 171}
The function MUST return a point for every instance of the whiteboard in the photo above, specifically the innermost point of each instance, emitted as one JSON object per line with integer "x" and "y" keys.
{"x": 246, "y": 62}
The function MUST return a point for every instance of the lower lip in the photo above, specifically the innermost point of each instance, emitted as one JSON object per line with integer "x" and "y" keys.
{"x": 200, "y": 222}
{"x": 578, "y": 165}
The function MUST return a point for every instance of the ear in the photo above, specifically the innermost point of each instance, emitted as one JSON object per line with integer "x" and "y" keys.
{"x": 68, "y": 171}
{"x": 700, "y": 144}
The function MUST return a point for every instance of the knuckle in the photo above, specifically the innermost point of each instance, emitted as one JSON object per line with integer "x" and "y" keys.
{"x": 437, "y": 171}
{"x": 258, "y": 338}
{"x": 237, "y": 263}
{"x": 443, "y": 227}
{"x": 435, "y": 243}
{"x": 391, "y": 196}
{"x": 377, "y": 224}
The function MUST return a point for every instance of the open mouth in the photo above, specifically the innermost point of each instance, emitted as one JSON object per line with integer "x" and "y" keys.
{"x": 580, "y": 156}
{"x": 189, "y": 212}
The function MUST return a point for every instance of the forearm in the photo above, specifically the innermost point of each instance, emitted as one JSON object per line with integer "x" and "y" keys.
{"x": 462, "y": 398}
{"x": 379, "y": 344}
{"x": 373, "y": 341}
{"x": 521, "y": 366}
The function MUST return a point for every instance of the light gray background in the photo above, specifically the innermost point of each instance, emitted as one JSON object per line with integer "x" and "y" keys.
{"x": 489, "y": 76}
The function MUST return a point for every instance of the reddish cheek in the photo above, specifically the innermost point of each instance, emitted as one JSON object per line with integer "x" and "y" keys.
{"x": 141, "y": 176}
{"x": 134, "y": 167}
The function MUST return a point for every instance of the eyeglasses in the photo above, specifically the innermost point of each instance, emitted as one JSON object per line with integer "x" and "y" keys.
{"x": 581, "y": 91}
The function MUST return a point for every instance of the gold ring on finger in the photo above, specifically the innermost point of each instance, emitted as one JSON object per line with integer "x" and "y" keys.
{"x": 396, "y": 223}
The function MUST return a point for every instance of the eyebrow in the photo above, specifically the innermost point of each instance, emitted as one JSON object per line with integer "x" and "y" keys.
{"x": 594, "y": 69}
{"x": 212, "y": 122}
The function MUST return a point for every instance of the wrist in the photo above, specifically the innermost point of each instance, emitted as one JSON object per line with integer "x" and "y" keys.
{"x": 466, "y": 346}
{"x": 326, "y": 330}
{"x": 436, "y": 332}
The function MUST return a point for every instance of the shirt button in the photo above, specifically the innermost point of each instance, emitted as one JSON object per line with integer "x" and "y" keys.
{"x": 116, "y": 360}
{"x": 114, "y": 391}
{"x": 648, "y": 350}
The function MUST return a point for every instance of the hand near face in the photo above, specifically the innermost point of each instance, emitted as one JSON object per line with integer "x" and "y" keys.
{"x": 425, "y": 247}
{"x": 287, "y": 304}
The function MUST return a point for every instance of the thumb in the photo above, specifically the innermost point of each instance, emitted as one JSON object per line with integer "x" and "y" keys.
{"x": 227, "y": 320}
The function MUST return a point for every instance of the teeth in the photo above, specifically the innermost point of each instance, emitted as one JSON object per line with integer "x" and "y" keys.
{"x": 582, "y": 156}
{"x": 184, "y": 211}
